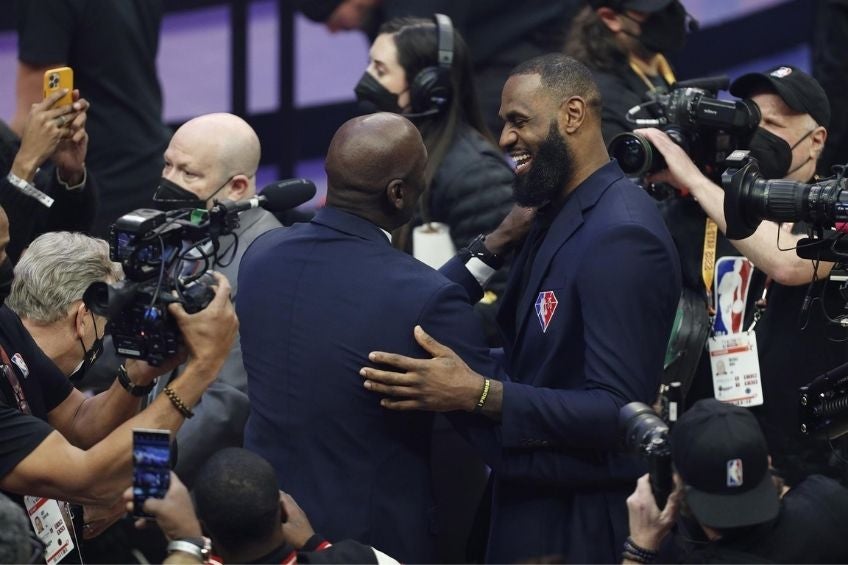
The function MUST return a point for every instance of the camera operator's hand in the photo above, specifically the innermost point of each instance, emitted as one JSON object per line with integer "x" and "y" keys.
{"x": 98, "y": 517}
{"x": 511, "y": 230}
{"x": 174, "y": 514}
{"x": 681, "y": 173}
{"x": 649, "y": 525}
{"x": 142, "y": 373}
{"x": 296, "y": 527}
{"x": 44, "y": 129}
{"x": 210, "y": 333}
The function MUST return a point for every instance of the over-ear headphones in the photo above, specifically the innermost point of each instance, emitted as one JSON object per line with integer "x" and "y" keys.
{"x": 432, "y": 89}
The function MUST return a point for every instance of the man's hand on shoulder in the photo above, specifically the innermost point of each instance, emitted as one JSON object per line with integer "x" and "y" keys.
{"x": 443, "y": 383}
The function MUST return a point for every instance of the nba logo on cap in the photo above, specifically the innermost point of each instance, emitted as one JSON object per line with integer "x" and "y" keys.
{"x": 734, "y": 473}
{"x": 781, "y": 72}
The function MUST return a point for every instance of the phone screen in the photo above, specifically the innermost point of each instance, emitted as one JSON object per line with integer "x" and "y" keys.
{"x": 151, "y": 467}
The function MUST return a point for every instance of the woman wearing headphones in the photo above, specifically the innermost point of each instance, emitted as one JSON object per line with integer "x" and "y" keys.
{"x": 421, "y": 69}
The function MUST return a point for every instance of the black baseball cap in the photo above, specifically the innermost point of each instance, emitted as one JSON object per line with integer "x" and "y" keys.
{"x": 721, "y": 455}
{"x": 799, "y": 91}
{"x": 644, "y": 6}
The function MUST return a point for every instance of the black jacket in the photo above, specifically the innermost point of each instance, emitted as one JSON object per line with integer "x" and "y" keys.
{"x": 620, "y": 91}
{"x": 472, "y": 189}
{"x": 72, "y": 210}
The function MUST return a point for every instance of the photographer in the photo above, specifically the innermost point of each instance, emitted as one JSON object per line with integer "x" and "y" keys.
{"x": 237, "y": 502}
{"x": 45, "y": 186}
{"x": 795, "y": 339}
{"x": 727, "y": 506}
{"x": 98, "y": 474}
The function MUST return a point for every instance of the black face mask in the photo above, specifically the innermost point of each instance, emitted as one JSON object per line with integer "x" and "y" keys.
{"x": 664, "y": 31}
{"x": 171, "y": 196}
{"x": 374, "y": 97}
{"x": 89, "y": 356}
{"x": 773, "y": 153}
{"x": 552, "y": 168}
{"x": 7, "y": 274}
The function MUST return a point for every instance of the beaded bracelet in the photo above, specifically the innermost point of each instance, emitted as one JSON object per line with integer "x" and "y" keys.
{"x": 633, "y": 552}
{"x": 178, "y": 403}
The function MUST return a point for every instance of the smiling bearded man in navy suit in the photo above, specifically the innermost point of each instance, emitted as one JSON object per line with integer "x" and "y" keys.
{"x": 585, "y": 318}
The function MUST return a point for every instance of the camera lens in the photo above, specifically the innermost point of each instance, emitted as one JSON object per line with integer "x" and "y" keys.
{"x": 635, "y": 154}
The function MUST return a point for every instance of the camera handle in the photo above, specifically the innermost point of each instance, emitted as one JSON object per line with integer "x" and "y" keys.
{"x": 662, "y": 481}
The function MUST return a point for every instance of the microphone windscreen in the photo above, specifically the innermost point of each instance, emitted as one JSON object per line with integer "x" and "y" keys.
{"x": 287, "y": 194}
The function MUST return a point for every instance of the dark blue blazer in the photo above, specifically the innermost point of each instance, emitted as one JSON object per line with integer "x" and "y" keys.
{"x": 561, "y": 479}
{"x": 313, "y": 301}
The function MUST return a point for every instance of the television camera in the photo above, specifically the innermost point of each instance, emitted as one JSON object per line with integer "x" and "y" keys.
{"x": 166, "y": 257}
{"x": 707, "y": 128}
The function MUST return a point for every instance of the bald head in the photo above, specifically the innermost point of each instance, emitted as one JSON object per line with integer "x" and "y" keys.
{"x": 375, "y": 163}
{"x": 211, "y": 150}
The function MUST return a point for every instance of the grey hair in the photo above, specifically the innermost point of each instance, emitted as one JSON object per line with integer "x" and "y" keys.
{"x": 55, "y": 270}
{"x": 14, "y": 535}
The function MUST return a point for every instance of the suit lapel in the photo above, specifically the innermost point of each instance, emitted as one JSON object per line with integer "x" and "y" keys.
{"x": 567, "y": 221}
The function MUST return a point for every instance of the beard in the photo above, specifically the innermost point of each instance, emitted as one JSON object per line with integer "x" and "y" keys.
{"x": 552, "y": 168}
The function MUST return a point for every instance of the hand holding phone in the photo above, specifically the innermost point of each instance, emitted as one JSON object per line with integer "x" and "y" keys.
{"x": 151, "y": 467}
{"x": 57, "y": 79}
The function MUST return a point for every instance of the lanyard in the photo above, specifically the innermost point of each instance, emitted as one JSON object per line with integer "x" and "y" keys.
{"x": 664, "y": 68}
{"x": 708, "y": 261}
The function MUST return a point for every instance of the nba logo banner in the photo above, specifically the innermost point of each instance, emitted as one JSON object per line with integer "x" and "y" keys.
{"x": 734, "y": 473}
{"x": 546, "y": 304}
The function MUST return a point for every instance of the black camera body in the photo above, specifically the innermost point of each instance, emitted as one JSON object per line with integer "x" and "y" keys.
{"x": 824, "y": 405}
{"x": 749, "y": 198}
{"x": 647, "y": 435}
{"x": 165, "y": 257}
{"x": 707, "y": 128}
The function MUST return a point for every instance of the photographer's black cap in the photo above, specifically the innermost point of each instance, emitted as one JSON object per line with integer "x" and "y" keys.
{"x": 644, "y": 6}
{"x": 721, "y": 454}
{"x": 799, "y": 91}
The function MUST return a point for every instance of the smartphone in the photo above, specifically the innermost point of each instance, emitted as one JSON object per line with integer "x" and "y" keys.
{"x": 57, "y": 79}
{"x": 151, "y": 467}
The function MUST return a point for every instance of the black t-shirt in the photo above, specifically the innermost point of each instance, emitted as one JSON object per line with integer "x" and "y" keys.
{"x": 19, "y": 436}
{"x": 44, "y": 385}
{"x": 112, "y": 48}
{"x": 794, "y": 348}
{"x": 809, "y": 529}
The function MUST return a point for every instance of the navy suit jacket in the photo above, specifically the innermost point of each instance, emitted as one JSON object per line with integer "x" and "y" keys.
{"x": 313, "y": 301}
{"x": 561, "y": 479}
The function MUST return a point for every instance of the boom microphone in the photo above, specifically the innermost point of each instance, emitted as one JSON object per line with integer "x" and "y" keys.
{"x": 276, "y": 197}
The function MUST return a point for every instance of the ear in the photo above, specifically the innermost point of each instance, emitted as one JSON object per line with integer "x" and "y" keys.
{"x": 239, "y": 188}
{"x": 396, "y": 193}
{"x": 79, "y": 317}
{"x": 610, "y": 18}
{"x": 819, "y": 137}
{"x": 572, "y": 114}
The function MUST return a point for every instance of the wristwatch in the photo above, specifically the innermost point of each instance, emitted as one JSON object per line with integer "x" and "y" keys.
{"x": 477, "y": 248}
{"x": 198, "y": 547}
{"x": 131, "y": 388}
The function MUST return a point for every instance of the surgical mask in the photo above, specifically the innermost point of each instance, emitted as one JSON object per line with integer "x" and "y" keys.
{"x": 774, "y": 154}
{"x": 7, "y": 274}
{"x": 664, "y": 31}
{"x": 171, "y": 196}
{"x": 89, "y": 356}
{"x": 374, "y": 97}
